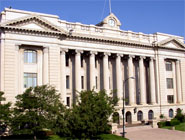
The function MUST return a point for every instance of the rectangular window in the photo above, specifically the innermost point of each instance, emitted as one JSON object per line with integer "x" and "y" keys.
{"x": 169, "y": 82}
{"x": 30, "y": 80}
{"x": 30, "y": 56}
{"x": 168, "y": 66}
{"x": 96, "y": 82}
{"x": 68, "y": 101}
{"x": 82, "y": 58}
{"x": 170, "y": 99}
{"x": 67, "y": 60}
{"x": 82, "y": 81}
{"x": 95, "y": 62}
{"x": 67, "y": 82}
{"x": 109, "y": 83}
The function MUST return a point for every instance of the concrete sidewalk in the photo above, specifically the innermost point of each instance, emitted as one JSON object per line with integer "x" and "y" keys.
{"x": 148, "y": 133}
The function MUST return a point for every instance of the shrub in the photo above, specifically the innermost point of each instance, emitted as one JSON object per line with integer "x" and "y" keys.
{"x": 179, "y": 116}
{"x": 161, "y": 124}
{"x": 174, "y": 122}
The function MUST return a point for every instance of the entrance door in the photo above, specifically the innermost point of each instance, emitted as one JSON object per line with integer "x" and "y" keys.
{"x": 129, "y": 117}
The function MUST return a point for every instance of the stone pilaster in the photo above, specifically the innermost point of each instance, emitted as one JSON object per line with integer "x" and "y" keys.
{"x": 119, "y": 81}
{"x": 152, "y": 81}
{"x": 132, "y": 100}
{"x": 106, "y": 72}
{"x": 178, "y": 78}
{"x": 92, "y": 69}
{"x": 63, "y": 74}
{"x": 142, "y": 81}
{"x": 45, "y": 66}
{"x": 78, "y": 71}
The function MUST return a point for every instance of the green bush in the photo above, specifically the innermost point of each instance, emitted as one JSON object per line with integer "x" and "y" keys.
{"x": 174, "y": 122}
{"x": 180, "y": 116}
{"x": 161, "y": 124}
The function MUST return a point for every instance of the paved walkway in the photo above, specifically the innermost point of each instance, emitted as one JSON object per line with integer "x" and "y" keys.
{"x": 148, "y": 133}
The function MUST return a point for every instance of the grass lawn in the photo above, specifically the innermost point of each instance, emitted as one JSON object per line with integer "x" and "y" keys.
{"x": 180, "y": 127}
{"x": 102, "y": 137}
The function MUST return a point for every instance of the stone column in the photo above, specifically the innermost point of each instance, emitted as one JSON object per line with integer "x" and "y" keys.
{"x": 142, "y": 81}
{"x": 119, "y": 81}
{"x": 152, "y": 81}
{"x": 106, "y": 72}
{"x": 178, "y": 78}
{"x": 45, "y": 66}
{"x": 92, "y": 69}
{"x": 63, "y": 75}
{"x": 132, "y": 100}
{"x": 78, "y": 71}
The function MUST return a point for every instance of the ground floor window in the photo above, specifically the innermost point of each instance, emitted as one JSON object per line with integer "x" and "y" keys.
{"x": 68, "y": 101}
{"x": 150, "y": 115}
{"x": 30, "y": 80}
{"x": 139, "y": 116}
{"x": 171, "y": 113}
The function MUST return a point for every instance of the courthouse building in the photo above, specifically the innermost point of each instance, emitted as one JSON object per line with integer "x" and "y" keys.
{"x": 149, "y": 69}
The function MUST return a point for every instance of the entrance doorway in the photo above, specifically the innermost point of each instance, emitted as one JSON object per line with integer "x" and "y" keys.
{"x": 128, "y": 117}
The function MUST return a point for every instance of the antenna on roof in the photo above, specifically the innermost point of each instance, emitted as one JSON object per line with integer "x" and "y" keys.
{"x": 110, "y": 6}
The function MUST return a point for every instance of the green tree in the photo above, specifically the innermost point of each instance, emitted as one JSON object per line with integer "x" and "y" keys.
{"x": 5, "y": 113}
{"x": 37, "y": 108}
{"x": 90, "y": 116}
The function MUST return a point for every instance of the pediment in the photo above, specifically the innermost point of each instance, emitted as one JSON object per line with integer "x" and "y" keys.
{"x": 34, "y": 22}
{"x": 172, "y": 43}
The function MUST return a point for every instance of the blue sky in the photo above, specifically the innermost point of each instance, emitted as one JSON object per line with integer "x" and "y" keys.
{"x": 147, "y": 16}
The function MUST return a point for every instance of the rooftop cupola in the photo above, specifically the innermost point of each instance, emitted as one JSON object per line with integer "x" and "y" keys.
{"x": 111, "y": 21}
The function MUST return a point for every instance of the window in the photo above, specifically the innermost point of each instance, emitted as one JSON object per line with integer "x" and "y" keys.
{"x": 82, "y": 81}
{"x": 82, "y": 58}
{"x": 67, "y": 82}
{"x": 170, "y": 99}
{"x": 168, "y": 66}
{"x": 30, "y": 80}
{"x": 139, "y": 116}
{"x": 67, "y": 60}
{"x": 68, "y": 101}
{"x": 150, "y": 115}
{"x": 169, "y": 82}
{"x": 30, "y": 56}
{"x": 171, "y": 113}
{"x": 96, "y": 82}
{"x": 96, "y": 62}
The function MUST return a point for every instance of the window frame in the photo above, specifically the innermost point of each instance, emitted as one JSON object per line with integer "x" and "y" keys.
{"x": 32, "y": 77}
{"x": 30, "y": 56}
{"x": 169, "y": 66}
{"x": 169, "y": 83}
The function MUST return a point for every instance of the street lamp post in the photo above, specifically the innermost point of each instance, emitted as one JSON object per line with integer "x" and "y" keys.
{"x": 123, "y": 110}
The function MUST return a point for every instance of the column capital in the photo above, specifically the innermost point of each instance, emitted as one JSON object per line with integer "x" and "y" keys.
{"x": 152, "y": 58}
{"x": 178, "y": 61}
{"x": 119, "y": 54}
{"x": 131, "y": 56}
{"x": 63, "y": 50}
{"x": 142, "y": 57}
{"x": 17, "y": 47}
{"x": 46, "y": 49}
{"x": 107, "y": 53}
{"x": 93, "y": 52}
{"x": 78, "y": 51}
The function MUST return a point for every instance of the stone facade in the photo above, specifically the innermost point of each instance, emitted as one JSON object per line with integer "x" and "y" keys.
{"x": 147, "y": 69}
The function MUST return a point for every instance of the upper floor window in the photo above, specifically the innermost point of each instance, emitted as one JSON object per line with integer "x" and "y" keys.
{"x": 67, "y": 60}
{"x": 82, "y": 81}
{"x": 170, "y": 99}
{"x": 67, "y": 82}
{"x": 30, "y": 80}
{"x": 30, "y": 56}
{"x": 168, "y": 66}
{"x": 169, "y": 82}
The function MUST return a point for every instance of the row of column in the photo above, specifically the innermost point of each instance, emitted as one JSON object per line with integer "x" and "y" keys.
{"x": 119, "y": 81}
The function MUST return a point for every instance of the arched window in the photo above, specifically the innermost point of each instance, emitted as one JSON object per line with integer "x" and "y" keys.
{"x": 30, "y": 56}
{"x": 139, "y": 116}
{"x": 171, "y": 113}
{"x": 129, "y": 117}
{"x": 150, "y": 114}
